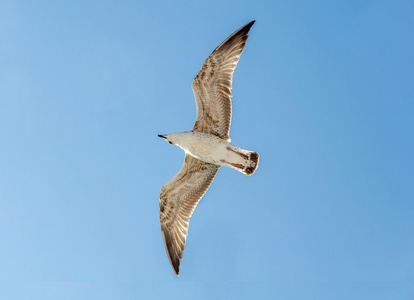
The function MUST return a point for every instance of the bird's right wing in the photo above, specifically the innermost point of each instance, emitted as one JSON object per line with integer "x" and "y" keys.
{"x": 178, "y": 199}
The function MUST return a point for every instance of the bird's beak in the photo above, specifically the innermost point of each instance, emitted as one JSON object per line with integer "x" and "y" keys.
{"x": 163, "y": 136}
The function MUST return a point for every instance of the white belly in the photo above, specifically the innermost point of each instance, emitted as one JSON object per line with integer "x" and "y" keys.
{"x": 212, "y": 149}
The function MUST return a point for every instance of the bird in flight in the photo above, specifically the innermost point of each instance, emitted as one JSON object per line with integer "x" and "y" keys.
{"x": 207, "y": 146}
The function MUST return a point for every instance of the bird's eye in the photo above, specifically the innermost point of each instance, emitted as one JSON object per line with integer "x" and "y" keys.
{"x": 169, "y": 142}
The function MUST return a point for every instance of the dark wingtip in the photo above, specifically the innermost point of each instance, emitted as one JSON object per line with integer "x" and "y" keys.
{"x": 173, "y": 254}
{"x": 174, "y": 259}
{"x": 239, "y": 36}
{"x": 249, "y": 25}
{"x": 176, "y": 268}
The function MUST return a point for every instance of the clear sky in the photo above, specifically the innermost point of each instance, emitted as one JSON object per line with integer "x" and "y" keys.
{"x": 324, "y": 91}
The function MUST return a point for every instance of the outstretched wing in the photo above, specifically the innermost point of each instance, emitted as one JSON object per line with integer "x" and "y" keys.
{"x": 212, "y": 85}
{"x": 178, "y": 199}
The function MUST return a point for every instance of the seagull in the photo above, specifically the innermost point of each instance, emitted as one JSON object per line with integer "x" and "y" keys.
{"x": 207, "y": 146}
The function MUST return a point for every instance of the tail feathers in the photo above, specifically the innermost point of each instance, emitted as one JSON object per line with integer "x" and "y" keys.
{"x": 252, "y": 163}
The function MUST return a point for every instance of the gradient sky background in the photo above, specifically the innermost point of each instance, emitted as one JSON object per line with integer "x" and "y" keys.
{"x": 324, "y": 91}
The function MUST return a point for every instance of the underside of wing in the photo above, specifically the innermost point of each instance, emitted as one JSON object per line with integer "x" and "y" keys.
{"x": 212, "y": 85}
{"x": 178, "y": 199}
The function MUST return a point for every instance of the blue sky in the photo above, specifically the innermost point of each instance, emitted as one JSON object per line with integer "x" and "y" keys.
{"x": 323, "y": 91}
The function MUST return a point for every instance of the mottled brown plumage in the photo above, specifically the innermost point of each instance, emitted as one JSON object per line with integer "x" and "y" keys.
{"x": 212, "y": 85}
{"x": 212, "y": 91}
{"x": 178, "y": 200}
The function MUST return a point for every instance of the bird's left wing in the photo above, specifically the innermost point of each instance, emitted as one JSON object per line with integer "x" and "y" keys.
{"x": 212, "y": 85}
{"x": 178, "y": 199}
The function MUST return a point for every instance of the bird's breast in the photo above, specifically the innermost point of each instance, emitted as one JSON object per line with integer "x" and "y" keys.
{"x": 206, "y": 147}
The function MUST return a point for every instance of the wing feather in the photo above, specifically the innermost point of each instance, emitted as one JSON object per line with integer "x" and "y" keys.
{"x": 212, "y": 85}
{"x": 178, "y": 199}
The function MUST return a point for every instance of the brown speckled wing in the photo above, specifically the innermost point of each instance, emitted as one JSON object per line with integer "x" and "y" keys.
{"x": 212, "y": 85}
{"x": 178, "y": 199}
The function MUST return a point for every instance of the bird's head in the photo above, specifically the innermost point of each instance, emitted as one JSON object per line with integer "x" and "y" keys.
{"x": 169, "y": 138}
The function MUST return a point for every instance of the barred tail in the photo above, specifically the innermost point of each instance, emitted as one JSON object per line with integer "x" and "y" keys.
{"x": 252, "y": 163}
